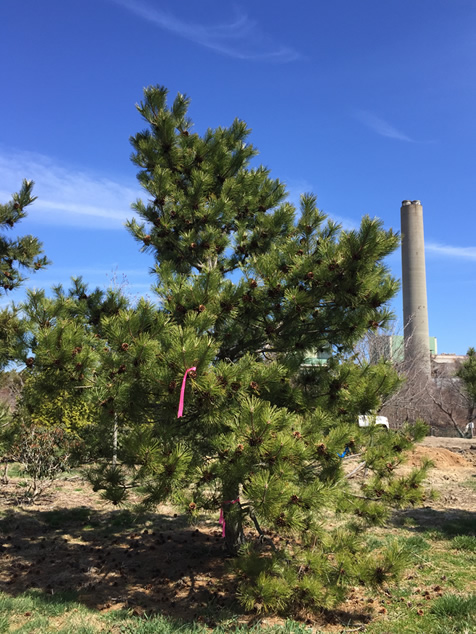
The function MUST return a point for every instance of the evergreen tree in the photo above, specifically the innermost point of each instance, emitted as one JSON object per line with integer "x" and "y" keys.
{"x": 16, "y": 255}
{"x": 467, "y": 373}
{"x": 19, "y": 253}
{"x": 63, "y": 360}
{"x": 246, "y": 286}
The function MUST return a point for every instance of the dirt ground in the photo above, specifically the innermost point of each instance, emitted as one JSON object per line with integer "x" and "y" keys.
{"x": 72, "y": 541}
{"x": 454, "y": 462}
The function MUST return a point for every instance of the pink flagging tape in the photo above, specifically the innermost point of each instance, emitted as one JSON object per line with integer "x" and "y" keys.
{"x": 182, "y": 391}
{"x": 222, "y": 516}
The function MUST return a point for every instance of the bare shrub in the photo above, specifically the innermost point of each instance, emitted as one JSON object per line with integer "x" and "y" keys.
{"x": 44, "y": 454}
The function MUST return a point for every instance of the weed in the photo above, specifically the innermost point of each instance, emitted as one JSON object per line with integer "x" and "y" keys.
{"x": 455, "y": 605}
{"x": 373, "y": 542}
{"x": 15, "y": 470}
{"x": 4, "y": 623}
{"x": 470, "y": 484}
{"x": 460, "y": 526}
{"x": 416, "y": 544}
{"x": 123, "y": 519}
{"x": 464, "y": 542}
{"x": 434, "y": 535}
{"x": 62, "y": 517}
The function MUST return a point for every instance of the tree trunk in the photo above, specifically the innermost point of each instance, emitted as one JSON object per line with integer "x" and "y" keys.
{"x": 5, "y": 473}
{"x": 232, "y": 520}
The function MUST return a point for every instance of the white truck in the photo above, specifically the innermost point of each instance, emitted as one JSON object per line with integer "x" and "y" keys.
{"x": 368, "y": 420}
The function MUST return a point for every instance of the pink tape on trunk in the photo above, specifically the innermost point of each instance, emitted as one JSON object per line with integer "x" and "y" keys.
{"x": 222, "y": 516}
{"x": 182, "y": 391}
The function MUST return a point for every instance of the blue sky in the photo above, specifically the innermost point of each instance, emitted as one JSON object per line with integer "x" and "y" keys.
{"x": 364, "y": 103}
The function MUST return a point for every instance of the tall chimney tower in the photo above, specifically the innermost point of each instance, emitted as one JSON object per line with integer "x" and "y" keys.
{"x": 415, "y": 308}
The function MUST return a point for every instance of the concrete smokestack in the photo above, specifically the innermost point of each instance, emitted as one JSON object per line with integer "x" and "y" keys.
{"x": 415, "y": 308}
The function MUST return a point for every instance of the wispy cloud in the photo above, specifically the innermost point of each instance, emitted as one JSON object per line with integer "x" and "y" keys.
{"x": 66, "y": 196}
{"x": 381, "y": 127}
{"x": 296, "y": 188}
{"x": 241, "y": 38}
{"x": 468, "y": 253}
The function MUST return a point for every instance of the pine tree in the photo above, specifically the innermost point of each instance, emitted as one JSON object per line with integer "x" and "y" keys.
{"x": 467, "y": 373}
{"x": 246, "y": 286}
{"x": 19, "y": 253}
{"x": 63, "y": 355}
{"x": 15, "y": 255}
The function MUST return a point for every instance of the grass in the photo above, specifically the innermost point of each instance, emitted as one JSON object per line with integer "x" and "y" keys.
{"x": 470, "y": 484}
{"x": 35, "y": 612}
{"x": 437, "y": 594}
{"x": 450, "y": 614}
{"x": 458, "y": 526}
{"x": 464, "y": 542}
{"x": 15, "y": 470}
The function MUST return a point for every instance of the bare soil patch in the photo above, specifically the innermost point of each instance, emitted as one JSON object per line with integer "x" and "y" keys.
{"x": 443, "y": 459}
{"x": 454, "y": 470}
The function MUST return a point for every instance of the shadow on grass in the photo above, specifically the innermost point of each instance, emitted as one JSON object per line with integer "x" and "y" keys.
{"x": 35, "y": 612}
{"x": 447, "y": 522}
{"x": 113, "y": 560}
{"x": 124, "y": 565}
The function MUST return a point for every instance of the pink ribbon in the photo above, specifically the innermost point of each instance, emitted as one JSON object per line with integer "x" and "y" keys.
{"x": 182, "y": 391}
{"x": 222, "y": 516}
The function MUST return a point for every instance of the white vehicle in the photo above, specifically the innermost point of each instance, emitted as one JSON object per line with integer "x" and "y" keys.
{"x": 367, "y": 421}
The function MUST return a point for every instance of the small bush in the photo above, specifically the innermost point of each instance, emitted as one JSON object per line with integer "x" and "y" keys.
{"x": 44, "y": 454}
